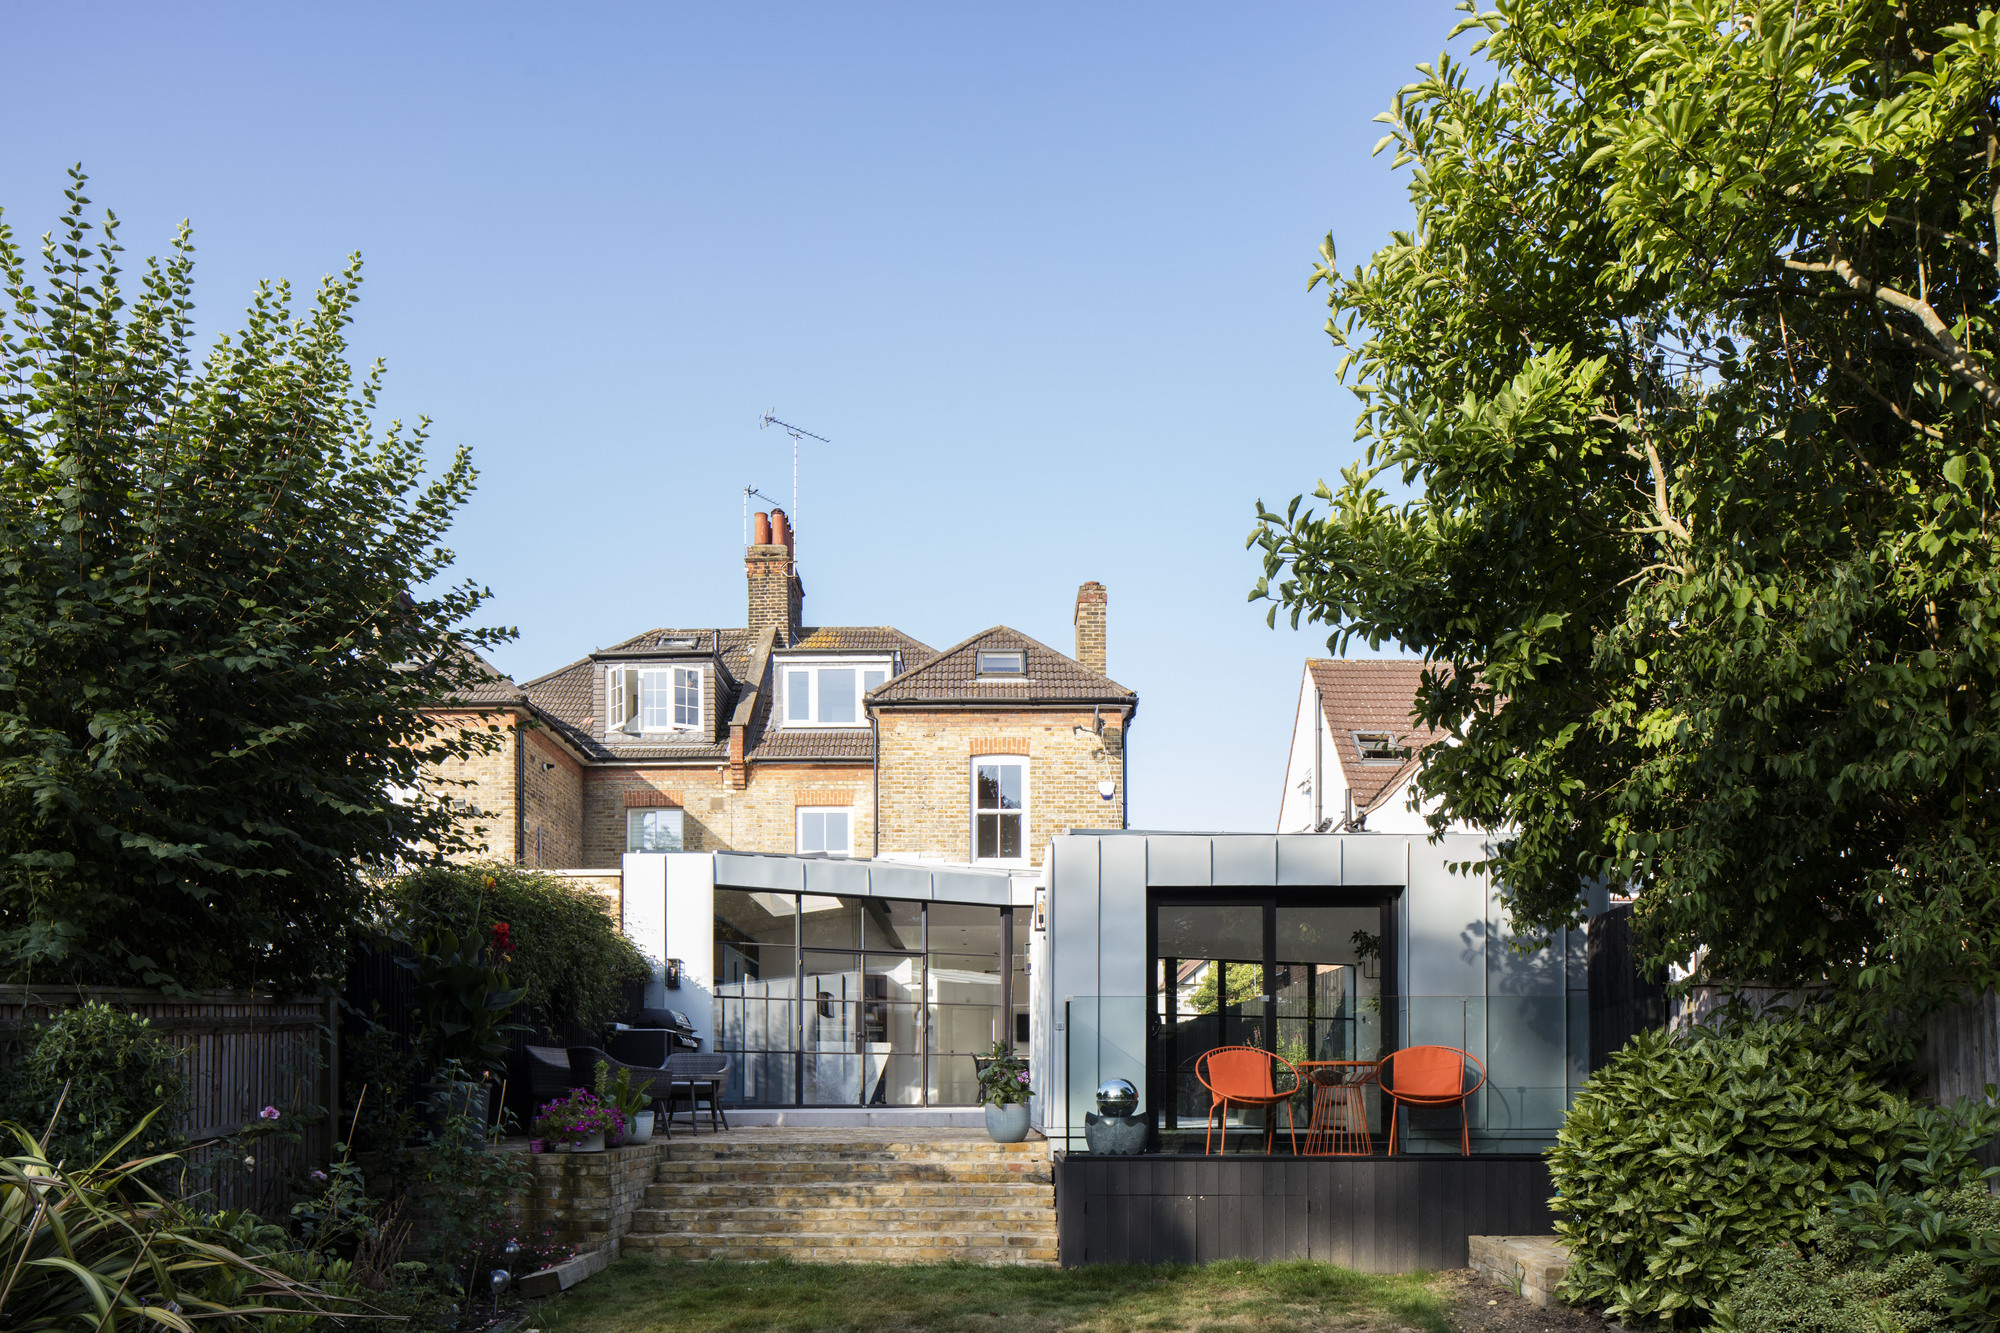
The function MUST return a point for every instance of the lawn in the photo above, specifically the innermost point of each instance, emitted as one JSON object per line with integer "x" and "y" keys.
{"x": 643, "y": 1296}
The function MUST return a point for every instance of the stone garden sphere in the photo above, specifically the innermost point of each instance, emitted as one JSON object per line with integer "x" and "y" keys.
{"x": 1117, "y": 1096}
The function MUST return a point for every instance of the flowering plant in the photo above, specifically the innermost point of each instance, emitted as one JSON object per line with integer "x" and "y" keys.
{"x": 576, "y": 1117}
{"x": 1003, "y": 1081}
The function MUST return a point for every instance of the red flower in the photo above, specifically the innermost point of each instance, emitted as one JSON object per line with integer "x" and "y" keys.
{"x": 500, "y": 938}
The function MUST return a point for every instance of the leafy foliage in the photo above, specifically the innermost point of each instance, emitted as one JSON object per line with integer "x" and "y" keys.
{"x": 1686, "y": 369}
{"x": 93, "y": 1247}
{"x": 463, "y": 999}
{"x": 1245, "y": 979}
{"x": 108, "y": 1071}
{"x": 1916, "y": 1248}
{"x": 564, "y": 951}
{"x": 1004, "y": 1080}
{"x": 1689, "y": 1154}
{"x": 212, "y": 672}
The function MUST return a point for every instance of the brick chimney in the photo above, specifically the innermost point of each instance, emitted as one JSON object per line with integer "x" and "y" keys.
{"x": 768, "y": 566}
{"x": 1090, "y": 626}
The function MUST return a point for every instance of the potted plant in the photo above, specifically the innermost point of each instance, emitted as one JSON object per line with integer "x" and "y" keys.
{"x": 630, "y": 1102}
{"x": 1004, "y": 1092}
{"x": 579, "y": 1121}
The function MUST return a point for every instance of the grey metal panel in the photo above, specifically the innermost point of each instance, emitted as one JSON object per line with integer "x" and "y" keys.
{"x": 1577, "y": 964}
{"x": 951, "y": 886}
{"x": 1124, "y": 866}
{"x": 1072, "y": 935}
{"x": 1309, "y": 859}
{"x": 893, "y": 881}
{"x": 1377, "y": 858}
{"x": 1512, "y": 973}
{"x": 1121, "y": 960}
{"x": 1174, "y": 861}
{"x": 1445, "y": 922}
{"x": 1250, "y": 859}
{"x": 836, "y": 878}
{"x": 736, "y": 870}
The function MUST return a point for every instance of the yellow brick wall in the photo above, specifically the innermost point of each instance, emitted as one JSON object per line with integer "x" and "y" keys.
{"x": 926, "y": 763}
{"x": 716, "y": 816}
{"x": 552, "y": 795}
{"x": 483, "y": 785}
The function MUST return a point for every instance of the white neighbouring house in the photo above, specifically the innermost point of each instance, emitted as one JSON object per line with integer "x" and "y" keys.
{"x": 1355, "y": 749}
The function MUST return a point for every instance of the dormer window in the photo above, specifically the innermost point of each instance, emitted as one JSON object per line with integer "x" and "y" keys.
{"x": 828, "y": 694}
{"x": 639, "y": 700}
{"x": 1003, "y": 663}
{"x": 1380, "y": 747}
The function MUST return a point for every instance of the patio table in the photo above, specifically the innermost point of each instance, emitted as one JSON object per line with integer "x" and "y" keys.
{"x": 1339, "y": 1124}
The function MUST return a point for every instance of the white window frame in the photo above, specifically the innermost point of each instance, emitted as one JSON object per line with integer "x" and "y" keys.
{"x": 846, "y": 812}
{"x": 789, "y": 696}
{"x": 637, "y": 815}
{"x": 648, "y": 700}
{"x": 999, "y": 673}
{"x": 1026, "y": 811}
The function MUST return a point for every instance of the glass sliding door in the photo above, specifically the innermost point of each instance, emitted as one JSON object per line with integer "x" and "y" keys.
{"x": 1300, "y": 975}
{"x": 829, "y": 1001}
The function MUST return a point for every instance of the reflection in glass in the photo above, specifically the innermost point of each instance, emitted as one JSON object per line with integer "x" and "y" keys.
{"x": 964, "y": 928}
{"x": 830, "y": 923}
{"x": 953, "y": 1079}
{"x": 889, "y": 923}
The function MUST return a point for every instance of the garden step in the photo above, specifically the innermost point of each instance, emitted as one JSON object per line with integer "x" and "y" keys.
{"x": 821, "y": 1193}
{"x": 928, "y": 1217}
{"x": 801, "y": 1169}
{"x": 685, "y": 1149}
{"x": 983, "y": 1246}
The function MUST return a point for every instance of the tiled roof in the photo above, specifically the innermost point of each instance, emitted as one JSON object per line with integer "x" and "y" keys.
{"x": 1371, "y": 695}
{"x": 565, "y": 697}
{"x": 953, "y": 677}
{"x": 493, "y": 686}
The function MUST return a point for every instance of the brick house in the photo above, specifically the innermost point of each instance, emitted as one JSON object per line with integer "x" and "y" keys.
{"x": 781, "y": 736}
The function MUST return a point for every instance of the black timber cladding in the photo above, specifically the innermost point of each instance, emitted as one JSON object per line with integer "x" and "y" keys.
{"x": 1374, "y": 1214}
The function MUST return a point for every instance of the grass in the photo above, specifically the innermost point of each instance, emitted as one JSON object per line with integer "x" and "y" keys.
{"x": 1232, "y": 1296}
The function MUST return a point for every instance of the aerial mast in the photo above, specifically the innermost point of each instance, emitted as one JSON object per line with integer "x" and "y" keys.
{"x": 797, "y": 433}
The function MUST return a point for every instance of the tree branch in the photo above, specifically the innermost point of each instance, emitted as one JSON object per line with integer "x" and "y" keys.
{"x": 1942, "y": 346}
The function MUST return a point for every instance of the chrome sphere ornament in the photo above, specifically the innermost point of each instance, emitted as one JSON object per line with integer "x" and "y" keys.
{"x": 1117, "y": 1096}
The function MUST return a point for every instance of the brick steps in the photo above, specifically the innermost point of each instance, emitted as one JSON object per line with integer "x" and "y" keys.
{"x": 843, "y": 1193}
{"x": 885, "y": 1200}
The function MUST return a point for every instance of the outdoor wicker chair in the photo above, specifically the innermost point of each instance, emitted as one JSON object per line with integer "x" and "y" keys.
{"x": 698, "y": 1078}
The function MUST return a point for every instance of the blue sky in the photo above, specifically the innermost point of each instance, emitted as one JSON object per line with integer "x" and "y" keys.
{"x": 1037, "y": 271}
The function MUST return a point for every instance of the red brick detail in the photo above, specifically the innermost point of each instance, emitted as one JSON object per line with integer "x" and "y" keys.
{"x": 739, "y": 772}
{"x": 822, "y": 796}
{"x": 999, "y": 745}
{"x": 639, "y": 799}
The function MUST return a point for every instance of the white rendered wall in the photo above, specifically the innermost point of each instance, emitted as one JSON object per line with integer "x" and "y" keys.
{"x": 690, "y": 922}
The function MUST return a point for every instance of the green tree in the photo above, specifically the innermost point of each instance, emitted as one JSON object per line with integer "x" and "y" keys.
{"x": 1245, "y": 980}
{"x": 1688, "y": 369}
{"x": 212, "y": 667}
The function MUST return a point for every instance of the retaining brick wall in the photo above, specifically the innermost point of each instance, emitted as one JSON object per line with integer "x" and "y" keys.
{"x": 586, "y": 1199}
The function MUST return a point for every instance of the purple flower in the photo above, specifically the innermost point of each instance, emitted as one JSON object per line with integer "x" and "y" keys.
{"x": 319, "y": 1175}
{"x": 268, "y": 1113}
{"x": 1021, "y": 1077}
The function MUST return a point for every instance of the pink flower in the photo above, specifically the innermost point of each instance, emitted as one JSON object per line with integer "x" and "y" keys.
{"x": 268, "y": 1113}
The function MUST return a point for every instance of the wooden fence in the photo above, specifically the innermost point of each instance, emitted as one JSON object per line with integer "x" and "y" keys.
{"x": 244, "y": 1052}
{"x": 1962, "y": 1050}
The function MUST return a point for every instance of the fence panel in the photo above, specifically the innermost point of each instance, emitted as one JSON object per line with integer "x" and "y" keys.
{"x": 244, "y": 1052}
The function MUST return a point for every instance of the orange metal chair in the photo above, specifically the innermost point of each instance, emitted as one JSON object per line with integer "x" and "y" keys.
{"x": 1246, "y": 1076}
{"x": 1430, "y": 1076}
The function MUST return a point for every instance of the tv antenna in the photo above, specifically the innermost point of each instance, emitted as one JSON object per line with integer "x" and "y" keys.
{"x": 749, "y": 491}
{"x": 797, "y": 433}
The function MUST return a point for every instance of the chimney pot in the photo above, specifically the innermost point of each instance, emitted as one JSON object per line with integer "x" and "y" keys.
{"x": 781, "y": 529}
{"x": 760, "y": 529}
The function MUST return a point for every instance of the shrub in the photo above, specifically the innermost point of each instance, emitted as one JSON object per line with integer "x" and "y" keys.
{"x": 564, "y": 951}
{"x": 1688, "y": 1155}
{"x": 1916, "y": 1248}
{"x": 94, "y": 1247}
{"x": 117, "y": 1072}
